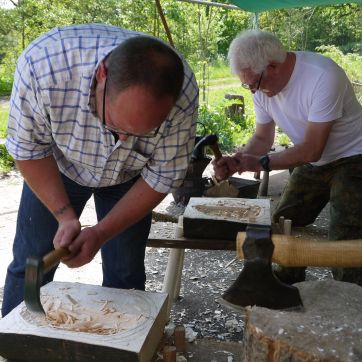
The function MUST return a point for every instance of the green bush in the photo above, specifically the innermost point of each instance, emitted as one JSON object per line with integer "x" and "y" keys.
{"x": 283, "y": 140}
{"x": 5, "y": 86}
{"x": 4, "y": 114}
{"x": 6, "y": 161}
{"x": 231, "y": 131}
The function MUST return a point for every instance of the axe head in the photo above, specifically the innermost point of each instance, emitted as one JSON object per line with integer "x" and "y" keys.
{"x": 33, "y": 280}
{"x": 257, "y": 284}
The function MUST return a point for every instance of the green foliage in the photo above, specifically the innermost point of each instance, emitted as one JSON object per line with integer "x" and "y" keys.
{"x": 231, "y": 131}
{"x": 202, "y": 34}
{"x": 4, "y": 114}
{"x": 351, "y": 63}
{"x": 309, "y": 27}
{"x": 282, "y": 139}
{"x": 6, "y": 161}
{"x": 5, "y": 86}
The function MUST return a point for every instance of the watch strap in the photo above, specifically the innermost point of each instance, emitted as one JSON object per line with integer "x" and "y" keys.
{"x": 264, "y": 162}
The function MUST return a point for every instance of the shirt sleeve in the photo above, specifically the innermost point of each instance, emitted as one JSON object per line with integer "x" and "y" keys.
{"x": 29, "y": 136}
{"x": 328, "y": 95}
{"x": 167, "y": 168}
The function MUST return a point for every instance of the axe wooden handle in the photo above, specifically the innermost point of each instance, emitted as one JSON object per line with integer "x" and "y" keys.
{"x": 216, "y": 150}
{"x": 53, "y": 258}
{"x": 292, "y": 251}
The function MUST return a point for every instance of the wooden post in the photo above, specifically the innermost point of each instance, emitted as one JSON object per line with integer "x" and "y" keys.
{"x": 180, "y": 340}
{"x": 169, "y": 354}
{"x": 281, "y": 224}
{"x": 287, "y": 227}
{"x": 164, "y": 22}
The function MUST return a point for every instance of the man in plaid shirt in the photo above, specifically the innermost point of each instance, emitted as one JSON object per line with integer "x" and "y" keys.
{"x": 99, "y": 111}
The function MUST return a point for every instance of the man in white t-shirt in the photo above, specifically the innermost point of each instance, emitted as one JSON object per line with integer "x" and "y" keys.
{"x": 309, "y": 97}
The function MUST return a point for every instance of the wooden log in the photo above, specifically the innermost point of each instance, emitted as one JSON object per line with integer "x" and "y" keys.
{"x": 329, "y": 329}
{"x": 223, "y": 217}
{"x": 25, "y": 337}
{"x": 292, "y": 251}
{"x": 236, "y": 109}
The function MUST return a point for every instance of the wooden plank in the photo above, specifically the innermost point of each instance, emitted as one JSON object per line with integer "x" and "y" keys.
{"x": 223, "y": 217}
{"x": 25, "y": 337}
{"x": 192, "y": 243}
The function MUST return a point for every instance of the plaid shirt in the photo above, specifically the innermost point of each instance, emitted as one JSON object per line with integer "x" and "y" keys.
{"x": 52, "y": 112}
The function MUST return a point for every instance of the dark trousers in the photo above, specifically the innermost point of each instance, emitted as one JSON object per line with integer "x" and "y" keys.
{"x": 310, "y": 188}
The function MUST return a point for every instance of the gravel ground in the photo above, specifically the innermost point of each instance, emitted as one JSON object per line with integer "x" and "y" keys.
{"x": 206, "y": 274}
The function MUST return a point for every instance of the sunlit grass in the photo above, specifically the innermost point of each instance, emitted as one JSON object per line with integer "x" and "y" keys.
{"x": 4, "y": 114}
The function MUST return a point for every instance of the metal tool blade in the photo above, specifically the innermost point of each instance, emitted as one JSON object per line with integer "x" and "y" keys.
{"x": 33, "y": 277}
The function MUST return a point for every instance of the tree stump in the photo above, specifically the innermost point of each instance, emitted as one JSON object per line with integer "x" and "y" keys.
{"x": 328, "y": 329}
{"x": 236, "y": 109}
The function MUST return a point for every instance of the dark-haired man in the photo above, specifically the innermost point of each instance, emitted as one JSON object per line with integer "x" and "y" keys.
{"x": 99, "y": 111}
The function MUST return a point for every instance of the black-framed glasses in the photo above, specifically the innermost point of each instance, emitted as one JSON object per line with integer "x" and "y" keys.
{"x": 120, "y": 131}
{"x": 251, "y": 87}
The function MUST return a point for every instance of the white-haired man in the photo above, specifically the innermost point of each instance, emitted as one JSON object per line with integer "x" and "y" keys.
{"x": 310, "y": 98}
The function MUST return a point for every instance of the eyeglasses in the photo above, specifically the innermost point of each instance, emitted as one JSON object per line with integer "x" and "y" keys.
{"x": 120, "y": 131}
{"x": 251, "y": 87}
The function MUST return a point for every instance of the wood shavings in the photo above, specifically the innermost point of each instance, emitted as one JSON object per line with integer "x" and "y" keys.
{"x": 245, "y": 212}
{"x": 68, "y": 314}
{"x": 91, "y": 293}
{"x": 73, "y": 301}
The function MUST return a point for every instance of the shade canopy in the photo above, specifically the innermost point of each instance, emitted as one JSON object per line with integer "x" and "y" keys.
{"x": 258, "y": 6}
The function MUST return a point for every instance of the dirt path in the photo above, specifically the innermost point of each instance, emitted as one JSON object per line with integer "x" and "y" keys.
{"x": 4, "y": 101}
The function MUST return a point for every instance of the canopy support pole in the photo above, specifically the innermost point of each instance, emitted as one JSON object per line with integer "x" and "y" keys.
{"x": 164, "y": 22}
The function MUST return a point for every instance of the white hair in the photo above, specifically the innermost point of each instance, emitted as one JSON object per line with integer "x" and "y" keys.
{"x": 255, "y": 49}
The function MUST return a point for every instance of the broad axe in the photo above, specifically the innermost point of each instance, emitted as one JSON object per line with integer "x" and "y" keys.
{"x": 257, "y": 284}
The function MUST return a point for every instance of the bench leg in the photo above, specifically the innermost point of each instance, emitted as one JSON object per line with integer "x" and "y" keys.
{"x": 263, "y": 188}
{"x": 179, "y": 275}
{"x": 172, "y": 280}
{"x": 173, "y": 274}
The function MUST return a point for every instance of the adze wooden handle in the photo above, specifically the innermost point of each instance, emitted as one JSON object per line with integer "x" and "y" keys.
{"x": 292, "y": 251}
{"x": 53, "y": 258}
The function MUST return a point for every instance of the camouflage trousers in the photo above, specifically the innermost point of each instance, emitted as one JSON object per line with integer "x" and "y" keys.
{"x": 308, "y": 191}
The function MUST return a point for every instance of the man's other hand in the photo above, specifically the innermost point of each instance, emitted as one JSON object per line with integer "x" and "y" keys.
{"x": 83, "y": 248}
{"x": 225, "y": 167}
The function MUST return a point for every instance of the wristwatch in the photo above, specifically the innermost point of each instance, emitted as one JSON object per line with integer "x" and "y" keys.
{"x": 264, "y": 162}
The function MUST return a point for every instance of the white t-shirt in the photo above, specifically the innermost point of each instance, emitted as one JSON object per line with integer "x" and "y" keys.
{"x": 318, "y": 91}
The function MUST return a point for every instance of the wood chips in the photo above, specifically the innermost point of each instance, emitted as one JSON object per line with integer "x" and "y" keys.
{"x": 230, "y": 212}
{"x": 68, "y": 314}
